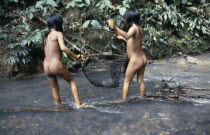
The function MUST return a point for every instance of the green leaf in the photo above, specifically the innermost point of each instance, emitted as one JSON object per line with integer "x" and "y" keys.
{"x": 203, "y": 29}
{"x": 122, "y": 10}
{"x": 196, "y": 34}
{"x": 23, "y": 61}
{"x": 106, "y": 28}
{"x": 24, "y": 43}
{"x": 165, "y": 16}
{"x": 24, "y": 54}
{"x": 102, "y": 6}
{"x": 52, "y": 3}
{"x": 27, "y": 27}
{"x": 39, "y": 3}
{"x": 78, "y": 0}
{"x": 15, "y": 0}
{"x": 170, "y": 15}
{"x": 86, "y": 23}
{"x": 119, "y": 6}
{"x": 124, "y": 2}
{"x": 194, "y": 23}
{"x": 95, "y": 24}
{"x": 45, "y": 11}
{"x": 184, "y": 1}
{"x": 191, "y": 24}
{"x": 30, "y": 16}
{"x": 13, "y": 45}
{"x": 81, "y": 5}
{"x": 114, "y": 46}
{"x": 87, "y": 1}
{"x": 72, "y": 4}
{"x": 127, "y": 6}
{"x": 182, "y": 24}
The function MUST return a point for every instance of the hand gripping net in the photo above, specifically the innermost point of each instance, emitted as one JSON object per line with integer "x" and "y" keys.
{"x": 104, "y": 71}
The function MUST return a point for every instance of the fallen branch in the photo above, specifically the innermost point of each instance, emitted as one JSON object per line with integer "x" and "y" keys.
{"x": 162, "y": 96}
{"x": 81, "y": 41}
{"x": 101, "y": 54}
{"x": 69, "y": 42}
{"x": 198, "y": 96}
{"x": 96, "y": 29}
{"x": 197, "y": 89}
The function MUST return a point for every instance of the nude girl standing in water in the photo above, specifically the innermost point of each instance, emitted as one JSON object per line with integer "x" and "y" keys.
{"x": 53, "y": 66}
{"x": 136, "y": 56}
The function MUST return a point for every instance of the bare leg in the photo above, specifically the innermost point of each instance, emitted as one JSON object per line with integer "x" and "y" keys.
{"x": 130, "y": 72}
{"x": 140, "y": 78}
{"x": 65, "y": 74}
{"x": 55, "y": 88}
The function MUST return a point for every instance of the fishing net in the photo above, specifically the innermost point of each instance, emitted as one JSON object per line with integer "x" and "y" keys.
{"x": 104, "y": 71}
{"x": 100, "y": 67}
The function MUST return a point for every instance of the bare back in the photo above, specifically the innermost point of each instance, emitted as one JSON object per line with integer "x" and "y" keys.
{"x": 52, "y": 62}
{"x": 134, "y": 44}
{"x": 52, "y": 48}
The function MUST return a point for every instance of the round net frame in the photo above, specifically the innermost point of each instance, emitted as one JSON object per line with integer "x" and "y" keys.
{"x": 104, "y": 71}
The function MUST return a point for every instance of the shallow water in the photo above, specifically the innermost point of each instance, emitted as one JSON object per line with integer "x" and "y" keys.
{"x": 26, "y": 105}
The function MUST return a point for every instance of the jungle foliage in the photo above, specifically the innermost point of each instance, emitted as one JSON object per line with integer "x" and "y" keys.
{"x": 170, "y": 27}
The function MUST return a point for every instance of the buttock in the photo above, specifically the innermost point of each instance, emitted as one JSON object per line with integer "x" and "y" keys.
{"x": 141, "y": 57}
{"x": 137, "y": 62}
{"x": 53, "y": 68}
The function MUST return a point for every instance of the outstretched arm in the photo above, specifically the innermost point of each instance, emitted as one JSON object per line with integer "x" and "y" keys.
{"x": 64, "y": 48}
{"x": 125, "y": 35}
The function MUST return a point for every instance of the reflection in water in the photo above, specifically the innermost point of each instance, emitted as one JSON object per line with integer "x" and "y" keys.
{"x": 105, "y": 116}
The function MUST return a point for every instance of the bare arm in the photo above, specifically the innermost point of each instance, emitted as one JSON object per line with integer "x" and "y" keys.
{"x": 125, "y": 35}
{"x": 120, "y": 37}
{"x": 64, "y": 48}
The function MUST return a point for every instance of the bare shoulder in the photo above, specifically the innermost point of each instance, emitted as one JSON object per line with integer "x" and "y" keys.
{"x": 137, "y": 27}
{"x": 59, "y": 34}
{"x": 132, "y": 28}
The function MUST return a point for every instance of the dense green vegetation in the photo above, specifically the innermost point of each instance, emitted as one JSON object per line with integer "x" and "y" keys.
{"x": 171, "y": 27}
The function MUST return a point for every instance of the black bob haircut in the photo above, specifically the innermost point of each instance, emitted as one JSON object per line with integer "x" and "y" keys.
{"x": 132, "y": 16}
{"x": 54, "y": 21}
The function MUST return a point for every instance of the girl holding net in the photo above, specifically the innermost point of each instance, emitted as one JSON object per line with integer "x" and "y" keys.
{"x": 53, "y": 66}
{"x": 135, "y": 53}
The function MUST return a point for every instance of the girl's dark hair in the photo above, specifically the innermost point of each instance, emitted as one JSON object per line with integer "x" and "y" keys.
{"x": 132, "y": 16}
{"x": 54, "y": 21}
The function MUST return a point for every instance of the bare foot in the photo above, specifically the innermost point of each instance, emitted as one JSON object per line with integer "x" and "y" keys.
{"x": 57, "y": 103}
{"x": 124, "y": 100}
{"x": 143, "y": 95}
{"x": 81, "y": 105}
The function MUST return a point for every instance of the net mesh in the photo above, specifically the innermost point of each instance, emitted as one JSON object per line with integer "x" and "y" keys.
{"x": 104, "y": 71}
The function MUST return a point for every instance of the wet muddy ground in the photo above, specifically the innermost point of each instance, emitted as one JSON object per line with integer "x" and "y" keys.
{"x": 26, "y": 105}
